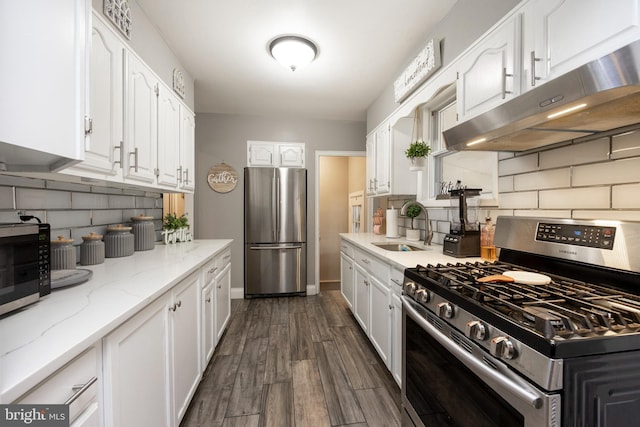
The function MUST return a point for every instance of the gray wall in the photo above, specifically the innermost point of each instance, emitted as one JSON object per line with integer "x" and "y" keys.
{"x": 222, "y": 137}
{"x": 466, "y": 22}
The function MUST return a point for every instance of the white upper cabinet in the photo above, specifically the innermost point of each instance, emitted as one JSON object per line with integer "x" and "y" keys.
{"x": 141, "y": 121}
{"x": 187, "y": 149}
{"x": 563, "y": 34}
{"x": 489, "y": 74}
{"x": 371, "y": 164}
{"x": 103, "y": 143}
{"x": 275, "y": 154}
{"x": 379, "y": 161}
{"x": 42, "y": 106}
{"x": 169, "y": 134}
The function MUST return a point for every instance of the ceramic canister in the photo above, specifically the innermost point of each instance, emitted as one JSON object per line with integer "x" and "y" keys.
{"x": 63, "y": 254}
{"x": 144, "y": 232}
{"x": 92, "y": 249}
{"x": 118, "y": 242}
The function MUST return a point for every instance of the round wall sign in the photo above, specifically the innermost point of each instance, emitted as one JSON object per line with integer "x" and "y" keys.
{"x": 222, "y": 178}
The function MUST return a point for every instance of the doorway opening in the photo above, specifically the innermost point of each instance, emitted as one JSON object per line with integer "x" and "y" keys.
{"x": 340, "y": 208}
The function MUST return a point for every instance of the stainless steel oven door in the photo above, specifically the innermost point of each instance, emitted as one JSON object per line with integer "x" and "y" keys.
{"x": 447, "y": 380}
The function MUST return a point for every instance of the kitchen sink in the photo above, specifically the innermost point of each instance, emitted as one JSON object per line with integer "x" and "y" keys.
{"x": 398, "y": 247}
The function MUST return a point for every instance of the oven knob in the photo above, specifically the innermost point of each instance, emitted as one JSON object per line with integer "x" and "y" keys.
{"x": 422, "y": 295}
{"x": 445, "y": 310}
{"x": 502, "y": 347}
{"x": 410, "y": 288}
{"x": 476, "y": 330}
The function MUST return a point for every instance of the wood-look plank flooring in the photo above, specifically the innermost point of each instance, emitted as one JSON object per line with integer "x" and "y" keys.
{"x": 294, "y": 361}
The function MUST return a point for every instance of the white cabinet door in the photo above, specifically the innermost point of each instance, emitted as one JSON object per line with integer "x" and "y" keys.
{"x": 382, "y": 179}
{"x": 187, "y": 149}
{"x": 260, "y": 154}
{"x": 490, "y": 73}
{"x": 185, "y": 362}
{"x": 346, "y": 278}
{"x": 136, "y": 369}
{"x": 103, "y": 145}
{"x": 169, "y": 134}
{"x": 208, "y": 324}
{"x": 43, "y": 83}
{"x": 361, "y": 303}
{"x": 380, "y": 326}
{"x": 223, "y": 300}
{"x": 141, "y": 122}
{"x": 371, "y": 164}
{"x": 570, "y": 33}
{"x": 396, "y": 338}
{"x": 291, "y": 155}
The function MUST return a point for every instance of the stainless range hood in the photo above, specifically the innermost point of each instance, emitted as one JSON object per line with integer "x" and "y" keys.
{"x": 605, "y": 94}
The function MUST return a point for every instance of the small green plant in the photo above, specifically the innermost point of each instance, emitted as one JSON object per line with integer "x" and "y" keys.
{"x": 417, "y": 149}
{"x": 174, "y": 222}
{"x": 412, "y": 212}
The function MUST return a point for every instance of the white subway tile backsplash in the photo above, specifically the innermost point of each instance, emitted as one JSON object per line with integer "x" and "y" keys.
{"x": 29, "y": 198}
{"x": 145, "y": 203}
{"x": 6, "y": 198}
{"x": 69, "y": 219}
{"x": 555, "y": 178}
{"x": 613, "y": 172}
{"x": 9, "y": 217}
{"x": 122, "y": 202}
{"x": 543, "y": 213}
{"x": 576, "y": 154}
{"x": 18, "y": 181}
{"x": 608, "y": 214}
{"x": 576, "y": 198}
{"x": 625, "y": 145}
{"x": 89, "y": 201}
{"x": 68, "y": 186}
{"x": 522, "y": 200}
{"x": 106, "y": 190}
{"x": 505, "y": 184}
{"x": 625, "y": 196}
{"x": 520, "y": 164}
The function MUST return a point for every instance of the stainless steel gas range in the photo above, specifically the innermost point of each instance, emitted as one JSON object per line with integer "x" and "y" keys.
{"x": 548, "y": 335}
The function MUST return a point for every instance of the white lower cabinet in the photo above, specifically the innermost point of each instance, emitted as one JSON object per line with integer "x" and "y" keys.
{"x": 396, "y": 338}
{"x": 151, "y": 362}
{"x": 208, "y": 324}
{"x": 76, "y": 384}
{"x": 346, "y": 278}
{"x": 361, "y": 300}
{"x": 380, "y": 326}
{"x": 223, "y": 300}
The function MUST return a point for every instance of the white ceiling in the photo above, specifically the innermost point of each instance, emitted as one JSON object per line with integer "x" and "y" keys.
{"x": 363, "y": 45}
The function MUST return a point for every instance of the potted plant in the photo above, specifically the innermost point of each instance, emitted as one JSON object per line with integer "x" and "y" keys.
{"x": 175, "y": 228}
{"x": 417, "y": 153}
{"x": 412, "y": 212}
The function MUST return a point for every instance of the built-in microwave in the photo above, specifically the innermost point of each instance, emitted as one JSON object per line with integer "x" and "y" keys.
{"x": 25, "y": 273}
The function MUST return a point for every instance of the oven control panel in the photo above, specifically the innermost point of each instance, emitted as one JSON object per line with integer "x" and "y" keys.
{"x": 578, "y": 235}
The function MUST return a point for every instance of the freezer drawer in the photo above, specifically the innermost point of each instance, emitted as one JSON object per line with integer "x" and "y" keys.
{"x": 275, "y": 269}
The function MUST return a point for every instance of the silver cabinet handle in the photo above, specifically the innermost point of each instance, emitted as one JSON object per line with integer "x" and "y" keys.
{"x": 79, "y": 389}
{"x": 179, "y": 170}
{"x": 390, "y": 307}
{"x": 396, "y": 282}
{"x": 186, "y": 175}
{"x": 212, "y": 270}
{"x": 533, "y": 68}
{"x": 121, "y": 153}
{"x": 208, "y": 300}
{"x": 135, "y": 159}
{"x": 366, "y": 261}
{"x": 88, "y": 125}
{"x": 504, "y": 83}
{"x": 175, "y": 306}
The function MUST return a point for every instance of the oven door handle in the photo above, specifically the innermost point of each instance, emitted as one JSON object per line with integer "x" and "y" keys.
{"x": 488, "y": 374}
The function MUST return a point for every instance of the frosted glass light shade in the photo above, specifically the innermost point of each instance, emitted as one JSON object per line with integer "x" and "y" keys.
{"x": 293, "y": 52}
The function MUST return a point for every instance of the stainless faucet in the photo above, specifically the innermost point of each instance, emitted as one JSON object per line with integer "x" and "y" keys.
{"x": 428, "y": 234}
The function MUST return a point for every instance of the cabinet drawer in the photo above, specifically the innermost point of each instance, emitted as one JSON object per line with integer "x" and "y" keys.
{"x": 373, "y": 265}
{"x": 347, "y": 249}
{"x": 223, "y": 259}
{"x": 209, "y": 271}
{"x": 75, "y": 384}
{"x": 397, "y": 277}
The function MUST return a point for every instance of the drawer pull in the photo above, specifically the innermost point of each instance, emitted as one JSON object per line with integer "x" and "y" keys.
{"x": 366, "y": 261}
{"x": 79, "y": 389}
{"x": 212, "y": 270}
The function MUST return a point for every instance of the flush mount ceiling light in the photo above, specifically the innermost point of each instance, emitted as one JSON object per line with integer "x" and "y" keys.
{"x": 293, "y": 52}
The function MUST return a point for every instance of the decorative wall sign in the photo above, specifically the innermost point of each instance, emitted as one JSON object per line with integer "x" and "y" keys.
{"x": 222, "y": 178}
{"x": 422, "y": 66}
{"x": 119, "y": 13}
{"x": 178, "y": 82}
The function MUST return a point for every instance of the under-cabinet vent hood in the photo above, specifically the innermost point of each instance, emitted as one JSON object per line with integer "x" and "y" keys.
{"x": 599, "y": 96}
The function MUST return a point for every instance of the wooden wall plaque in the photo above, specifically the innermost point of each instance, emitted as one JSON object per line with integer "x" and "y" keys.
{"x": 222, "y": 178}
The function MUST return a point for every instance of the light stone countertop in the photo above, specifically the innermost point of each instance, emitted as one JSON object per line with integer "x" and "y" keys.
{"x": 44, "y": 336}
{"x": 401, "y": 260}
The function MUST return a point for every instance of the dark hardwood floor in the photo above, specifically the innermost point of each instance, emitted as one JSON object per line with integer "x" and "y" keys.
{"x": 298, "y": 361}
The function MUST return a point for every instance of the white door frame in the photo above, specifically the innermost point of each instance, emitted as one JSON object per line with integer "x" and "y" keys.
{"x": 317, "y": 204}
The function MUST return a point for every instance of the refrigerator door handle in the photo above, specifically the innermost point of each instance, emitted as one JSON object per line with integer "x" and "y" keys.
{"x": 277, "y": 203}
{"x": 274, "y": 207}
{"x": 270, "y": 248}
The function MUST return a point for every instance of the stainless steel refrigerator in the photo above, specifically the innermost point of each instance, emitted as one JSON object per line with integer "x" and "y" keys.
{"x": 275, "y": 231}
